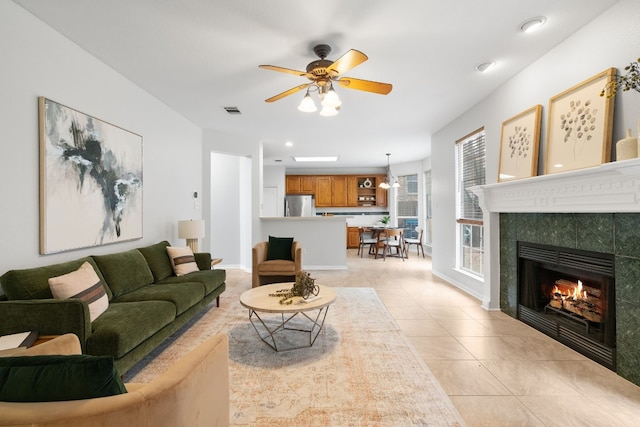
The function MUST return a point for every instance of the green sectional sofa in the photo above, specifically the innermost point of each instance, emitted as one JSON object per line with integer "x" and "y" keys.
{"x": 147, "y": 302}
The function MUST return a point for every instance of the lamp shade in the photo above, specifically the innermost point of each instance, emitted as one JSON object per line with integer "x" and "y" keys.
{"x": 191, "y": 229}
{"x": 307, "y": 105}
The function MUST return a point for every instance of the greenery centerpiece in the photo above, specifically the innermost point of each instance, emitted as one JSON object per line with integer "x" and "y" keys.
{"x": 304, "y": 287}
{"x": 385, "y": 220}
{"x": 624, "y": 82}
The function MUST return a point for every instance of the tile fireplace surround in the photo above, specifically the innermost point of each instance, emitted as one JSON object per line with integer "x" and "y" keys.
{"x": 595, "y": 209}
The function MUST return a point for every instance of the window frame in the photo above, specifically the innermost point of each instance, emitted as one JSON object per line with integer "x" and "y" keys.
{"x": 470, "y": 225}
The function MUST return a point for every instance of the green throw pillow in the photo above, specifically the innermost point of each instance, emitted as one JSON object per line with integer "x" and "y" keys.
{"x": 280, "y": 248}
{"x": 58, "y": 378}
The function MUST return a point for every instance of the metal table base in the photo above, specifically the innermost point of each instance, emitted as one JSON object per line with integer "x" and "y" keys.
{"x": 268, "y": 333}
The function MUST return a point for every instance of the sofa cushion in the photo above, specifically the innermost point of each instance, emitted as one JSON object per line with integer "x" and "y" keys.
{"x": 182, "y": 295}
{"x": 84, "y": 284}
{"x": 58, "y": 378}
{"x": 277, "y": 266}
{"x": 182, "y": 260}
{"x": 124, "y": 271}
{"x": 33, "y": 283}
{"x": 211, "y": 279}
{"x": 158, "y": 260}
{"x": 125, "y": 325}
{"x": 280, "y": 248}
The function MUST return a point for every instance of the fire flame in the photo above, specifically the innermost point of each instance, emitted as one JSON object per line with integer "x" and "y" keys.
{"x": 575, "y": 293}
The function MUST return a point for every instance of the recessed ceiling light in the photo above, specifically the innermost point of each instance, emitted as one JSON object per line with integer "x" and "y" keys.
{"x": 485, "y": 66}
{"x": 289, "y": 144}
{"x": 316, "y": 159}
{"x": 531, "y": 25}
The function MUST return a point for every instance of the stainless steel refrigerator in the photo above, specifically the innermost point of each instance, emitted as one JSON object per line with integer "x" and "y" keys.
{"x": 299, "y": 205}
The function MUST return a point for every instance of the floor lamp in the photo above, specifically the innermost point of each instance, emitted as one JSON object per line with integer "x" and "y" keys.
{"x": 191, "y": 230}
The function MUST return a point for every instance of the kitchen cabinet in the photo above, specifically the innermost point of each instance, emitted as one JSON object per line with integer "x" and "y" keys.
{"x": 381, "y": 193}
{"x": 369, "y": 193}
{"x": 331, "y": 191}
{"x": 308, "y": 184}
{"x": 353, "y": 237}
{"x": 339, "y": 190}
{"x": 352, "y": 191}
{"x": 323, "y": 191}
{"x": 300, "y": 184}
{"x": 292, "y": 184}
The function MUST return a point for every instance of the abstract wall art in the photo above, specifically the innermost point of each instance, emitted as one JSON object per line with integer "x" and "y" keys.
{"x": 580, "y": 126}
{"x": 90, "y": 180}
{"x": 519, "y": 145}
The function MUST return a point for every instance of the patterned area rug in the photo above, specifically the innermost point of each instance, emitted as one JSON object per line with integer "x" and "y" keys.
{"x": 361, "y": 371}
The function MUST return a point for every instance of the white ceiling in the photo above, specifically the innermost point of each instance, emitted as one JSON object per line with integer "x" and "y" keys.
{"x": 198, "y": 56}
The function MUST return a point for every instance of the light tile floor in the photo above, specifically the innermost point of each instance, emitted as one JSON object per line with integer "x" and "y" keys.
{"x": 496, "y": 370}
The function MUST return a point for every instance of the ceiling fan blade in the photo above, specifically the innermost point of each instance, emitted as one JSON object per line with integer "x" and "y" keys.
{"x": 346, "y": 62}
{"x": 366, "y": 85}
{"x": 287, "y": 93}
{"x": 286, "y": 70}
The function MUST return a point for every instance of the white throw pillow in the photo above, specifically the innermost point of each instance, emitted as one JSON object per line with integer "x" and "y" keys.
{"x": 85, "y": 284}
{"x": 182, "y": 260}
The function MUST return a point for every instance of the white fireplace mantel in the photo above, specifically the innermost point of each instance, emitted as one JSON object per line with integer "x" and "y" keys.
{"x": 611, "y": 187}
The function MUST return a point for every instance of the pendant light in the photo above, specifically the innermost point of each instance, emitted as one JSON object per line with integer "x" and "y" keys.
{"x": 386, "y": 183}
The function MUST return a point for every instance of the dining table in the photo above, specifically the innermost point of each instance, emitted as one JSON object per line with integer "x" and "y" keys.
{"x": 376, "y": 230}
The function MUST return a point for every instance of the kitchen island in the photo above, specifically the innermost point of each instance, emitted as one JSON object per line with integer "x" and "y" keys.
{"x": 322, "y": 238}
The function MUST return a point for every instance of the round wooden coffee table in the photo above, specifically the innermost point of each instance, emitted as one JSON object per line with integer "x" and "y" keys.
{"x": 259, "y": 300}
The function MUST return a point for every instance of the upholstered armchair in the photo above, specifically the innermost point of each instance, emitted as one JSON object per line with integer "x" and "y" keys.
{"x": 276, "y": 265}
{"x": 192, "y": 392}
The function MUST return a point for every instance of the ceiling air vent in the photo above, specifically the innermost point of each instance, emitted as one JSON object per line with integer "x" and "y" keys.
{"x": 232, "y": 110}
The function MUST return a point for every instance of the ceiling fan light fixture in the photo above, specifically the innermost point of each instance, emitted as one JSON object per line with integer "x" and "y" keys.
{"x": 328, "y": 111}
{"x": 307, "y": 105}
{"x": 331, "y": 99}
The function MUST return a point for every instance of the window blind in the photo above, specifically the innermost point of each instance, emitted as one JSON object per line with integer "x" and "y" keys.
{"x": 470, "y": 154}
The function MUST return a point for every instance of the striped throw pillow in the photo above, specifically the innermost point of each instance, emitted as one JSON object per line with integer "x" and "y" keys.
{"x": 182, "y": 260}
{"x": 85, "y": 284}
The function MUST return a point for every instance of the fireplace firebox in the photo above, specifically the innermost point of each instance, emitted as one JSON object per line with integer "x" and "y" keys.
{"x": 569, "y": 295}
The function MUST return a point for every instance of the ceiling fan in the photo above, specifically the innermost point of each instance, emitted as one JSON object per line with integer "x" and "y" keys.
{"x": 323, "y": 73}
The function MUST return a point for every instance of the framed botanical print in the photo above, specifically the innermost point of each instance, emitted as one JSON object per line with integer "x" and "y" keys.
{"x": 580, "y": 126}
{"x": 519, "y": 142}
{"x": 90, "y": 180}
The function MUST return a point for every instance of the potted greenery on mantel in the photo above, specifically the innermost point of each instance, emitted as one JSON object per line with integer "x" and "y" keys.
{"x": 624, "y": 82}
{"x": 626, "y": 148}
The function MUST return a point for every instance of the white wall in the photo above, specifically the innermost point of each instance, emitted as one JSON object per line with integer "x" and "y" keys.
{"x": 224, "y": 212}
{"x": 274, "y": 176}
{"x": 229, "y": 210}
{"x": 38, "y": 61}
{"x": 611, "y": 40}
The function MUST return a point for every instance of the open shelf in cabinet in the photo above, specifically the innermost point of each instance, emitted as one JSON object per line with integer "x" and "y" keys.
{"x": 367, "y": 189}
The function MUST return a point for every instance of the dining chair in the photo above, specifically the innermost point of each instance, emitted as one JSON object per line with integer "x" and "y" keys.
{"x": 366, "y": 239}
{"x": 415, "y": 241}
{"x": 392, "y": 238}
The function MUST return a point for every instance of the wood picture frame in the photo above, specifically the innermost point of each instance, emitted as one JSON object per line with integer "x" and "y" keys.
{"x": 519, "y": 144}
{"x": 580, "y": 126}
{"x": 90, "y": 180}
